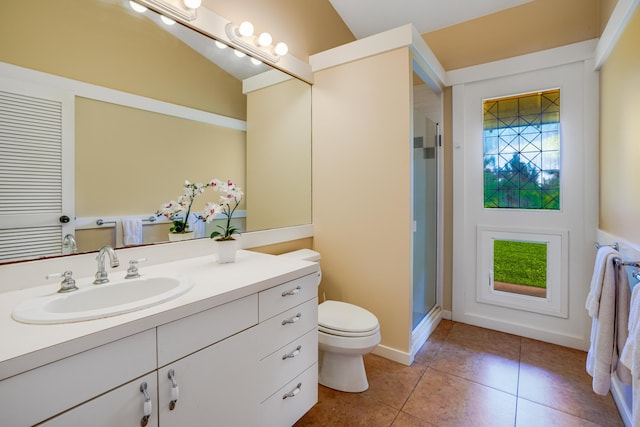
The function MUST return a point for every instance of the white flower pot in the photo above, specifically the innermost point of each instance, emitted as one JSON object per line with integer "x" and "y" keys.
{"x": 226, "y": 251}
{"x": 178, "y": 237}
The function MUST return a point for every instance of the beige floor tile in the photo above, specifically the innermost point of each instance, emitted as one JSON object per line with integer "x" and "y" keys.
{"x": 531, "y": 414}
{"x": 481, "y": 366}
{"x": 390, "y": 382}
{"x": 447, "y": 400}
{"x": 555, "y": 376}
{"x": 405, "y": 420}
{"x": 335, "y": 408}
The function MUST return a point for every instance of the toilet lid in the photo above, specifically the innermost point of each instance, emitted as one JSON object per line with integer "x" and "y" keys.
{"x": 345, "y": 317}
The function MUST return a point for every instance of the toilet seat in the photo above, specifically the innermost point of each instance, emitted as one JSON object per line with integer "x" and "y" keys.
{"x": 346, "y": 320}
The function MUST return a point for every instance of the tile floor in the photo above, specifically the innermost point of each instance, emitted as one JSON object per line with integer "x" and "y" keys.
{"x": 469, "y": 376}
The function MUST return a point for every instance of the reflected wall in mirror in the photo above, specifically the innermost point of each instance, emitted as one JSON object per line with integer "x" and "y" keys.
{"x": 168, "y": 114}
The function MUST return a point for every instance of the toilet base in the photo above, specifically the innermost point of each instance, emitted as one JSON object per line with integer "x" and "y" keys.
{"x": 342, "y": 372}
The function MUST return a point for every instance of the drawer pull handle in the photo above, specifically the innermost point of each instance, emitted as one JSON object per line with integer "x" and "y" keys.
{"x": 293, "y": 354}
{"x": 175, "y": 391}
{"x": 293, "y": 392}
{"x": 294, "y": 319}
{"x": 292, "y": 291}
{"x": 146, "y": 406}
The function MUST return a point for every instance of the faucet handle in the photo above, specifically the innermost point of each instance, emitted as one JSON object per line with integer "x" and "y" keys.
{"x": 132, "y": 271}
{"x": 68, "y": 284}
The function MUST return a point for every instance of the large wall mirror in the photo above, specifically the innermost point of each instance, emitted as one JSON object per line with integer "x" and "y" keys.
{"x": 152, "y": 105}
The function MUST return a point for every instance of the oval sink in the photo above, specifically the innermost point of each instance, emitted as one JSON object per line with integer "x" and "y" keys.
{"x": 97, "y": 301}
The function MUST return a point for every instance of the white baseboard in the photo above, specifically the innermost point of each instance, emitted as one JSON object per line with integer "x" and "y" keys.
{"x": 393, "y": 354}
{"x": 446, "y": 314}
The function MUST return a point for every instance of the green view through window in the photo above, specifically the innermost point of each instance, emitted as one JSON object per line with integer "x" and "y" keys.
{"x": 522, "y": 151}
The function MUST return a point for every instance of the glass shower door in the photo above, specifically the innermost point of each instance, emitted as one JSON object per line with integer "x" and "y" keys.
{"x": 425, "y": 216}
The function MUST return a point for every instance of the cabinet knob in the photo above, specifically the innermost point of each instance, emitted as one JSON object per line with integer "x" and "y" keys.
{"x": 294, "y": 319}
{"x": 293, "y": 354}
{"x": 293, "y": 392}
{"x": 146, "y": 406}
{"x": 292, "y": 291}
{"x": 175, "y": 390}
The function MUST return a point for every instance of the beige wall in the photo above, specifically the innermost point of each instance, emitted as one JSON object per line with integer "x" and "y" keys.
{"x": 103, "y": 43}
{"x": 620, "y": 136}
{"x": 361, "y": 193}
{"x": 533, "y": 26}
{"x": 279, "y": 155}
{"x": 114, "y": 142}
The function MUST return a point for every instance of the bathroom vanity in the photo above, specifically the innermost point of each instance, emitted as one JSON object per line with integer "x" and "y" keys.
{"x": 240, "y": 348}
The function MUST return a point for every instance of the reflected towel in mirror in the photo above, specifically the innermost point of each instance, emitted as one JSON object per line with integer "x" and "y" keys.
{"x": 132, "y": 231}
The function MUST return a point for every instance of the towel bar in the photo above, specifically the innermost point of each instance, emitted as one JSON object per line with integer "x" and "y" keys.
{"x": 620, "y": 262}
{"x": 614, "y": 246}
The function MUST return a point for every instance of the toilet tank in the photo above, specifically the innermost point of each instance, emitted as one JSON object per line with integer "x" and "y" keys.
{"x": 304, "y": 254}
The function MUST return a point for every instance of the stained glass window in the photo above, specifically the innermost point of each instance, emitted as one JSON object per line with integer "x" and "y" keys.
{"x": 522, "y": 151}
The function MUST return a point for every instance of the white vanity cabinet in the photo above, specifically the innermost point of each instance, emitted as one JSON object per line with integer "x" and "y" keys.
{"x": 213, "y": 384}
{"x": 38, "y": 394}
{"x": 287, "y": 381}
{"x": 249, "y": 361}
{"x": 123, "y": 406}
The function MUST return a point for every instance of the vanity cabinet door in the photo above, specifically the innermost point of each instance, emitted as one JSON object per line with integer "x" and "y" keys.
{"x": 123, "y": 406}
{"x": 215, "y": 386}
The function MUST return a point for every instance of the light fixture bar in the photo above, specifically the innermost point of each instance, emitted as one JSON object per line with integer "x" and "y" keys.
{"x": 231, "y": 31}
{"x": 173, "y": 8}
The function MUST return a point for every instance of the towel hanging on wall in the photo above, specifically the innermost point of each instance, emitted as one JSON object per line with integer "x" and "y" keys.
{"x": 132, "y": 231}
{"x": 608, "y": 306}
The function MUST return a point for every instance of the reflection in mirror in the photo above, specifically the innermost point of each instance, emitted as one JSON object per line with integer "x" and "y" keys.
{"x": 143, "y": 108}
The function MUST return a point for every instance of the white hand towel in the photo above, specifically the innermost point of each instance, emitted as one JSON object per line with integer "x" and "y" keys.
{"x": 196, "y": 225}
{"x": 630, "y": 356}
{"x": 593, "y": 298}
{"x": 132, "y": 231}
{"x": 608, "y": 306}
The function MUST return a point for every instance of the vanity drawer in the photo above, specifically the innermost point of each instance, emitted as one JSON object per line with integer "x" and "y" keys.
{"x": 190, "y": 334}
{"x": 283, "y": 297}
{"x": 301, "y": 394}
{"x": 287, "y": 362}
{"x": 36, "y": 395}
{"x": 287, "y": 326}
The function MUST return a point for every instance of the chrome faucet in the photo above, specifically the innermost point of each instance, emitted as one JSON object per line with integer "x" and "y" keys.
{"x": 70, "y": 241}
{"x": 101, "y": 274}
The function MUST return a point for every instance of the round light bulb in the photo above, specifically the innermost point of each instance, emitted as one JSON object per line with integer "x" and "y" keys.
{"x": 239, "y": 54}
{"x": 192, "y": 4}
{"x": 137, "y": 7}
{"x": 220, "y": 45}
{"x": 281, "y": 49}
{"x": 255, "y": 61}
{"x": 264, "y": 39}
{"x": 166, "y": 20}
{"x": 246, "y": 29}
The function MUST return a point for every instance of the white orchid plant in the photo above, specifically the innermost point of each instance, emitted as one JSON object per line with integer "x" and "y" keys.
{"x": 173, "y": 209}
{"x": 228, "y": 203}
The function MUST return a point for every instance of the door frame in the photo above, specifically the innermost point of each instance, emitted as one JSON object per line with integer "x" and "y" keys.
{"x": 576, "y": 334}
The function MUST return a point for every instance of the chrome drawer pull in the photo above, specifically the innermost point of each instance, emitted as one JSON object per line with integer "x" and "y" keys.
{"x": 293, "y": 392}
{"x": 293, "y": 354}
{"x": 292, "y": 291}
{"x": 175, "y": 391}
{"x": 294, "y": 319}
{"x": 146, "y": 406}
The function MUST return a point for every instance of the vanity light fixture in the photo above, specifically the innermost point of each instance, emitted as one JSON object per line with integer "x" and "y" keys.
{"x": 137, "y": 7}
{"x": 167, "y": 21}
{"x": 179, "y": 9}
{"x": 260, "y": 46}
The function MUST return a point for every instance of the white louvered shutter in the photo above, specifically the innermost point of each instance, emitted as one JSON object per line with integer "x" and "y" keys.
{"x": 35, "y": 176}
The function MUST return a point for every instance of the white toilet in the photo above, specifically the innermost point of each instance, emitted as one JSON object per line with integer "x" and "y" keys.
{"x": 346, "y": 332}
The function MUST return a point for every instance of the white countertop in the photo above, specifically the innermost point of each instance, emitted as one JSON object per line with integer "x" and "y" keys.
{"x": 27, "y": 346}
